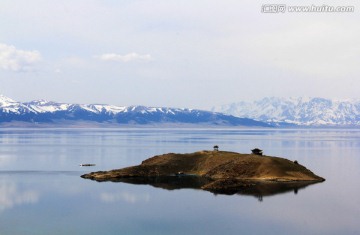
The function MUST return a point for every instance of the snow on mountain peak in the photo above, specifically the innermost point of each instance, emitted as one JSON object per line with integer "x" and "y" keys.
{"x": 6, "y": 100}
{"x": 53, "y": 113}
{"x": 39, "y": 102}
{"x": 298, "y": 110}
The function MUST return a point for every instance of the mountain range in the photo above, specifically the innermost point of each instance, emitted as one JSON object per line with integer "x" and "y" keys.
{"x": 300, "y": 111}
{"x": 40, "y": 112}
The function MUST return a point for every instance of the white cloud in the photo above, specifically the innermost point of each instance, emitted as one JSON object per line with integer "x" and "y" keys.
{"x": 17, "y": 60}
{"x": 57, "y": 70}
{"x": 224, "y": 46}
{"x": 124, "y": 58}
{"x": 325, "y": 49}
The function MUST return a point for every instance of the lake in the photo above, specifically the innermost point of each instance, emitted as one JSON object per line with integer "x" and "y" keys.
{"x": 41, "y": 191}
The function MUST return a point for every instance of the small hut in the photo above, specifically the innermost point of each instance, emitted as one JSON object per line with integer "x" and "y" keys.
{"x": 257, "y": 151}
{"x": 216, "y": 148}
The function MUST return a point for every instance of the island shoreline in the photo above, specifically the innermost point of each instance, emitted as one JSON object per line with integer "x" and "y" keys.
{"x": 223, "y": 171}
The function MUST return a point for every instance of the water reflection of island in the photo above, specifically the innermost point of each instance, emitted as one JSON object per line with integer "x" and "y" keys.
{"x": 257, "y": 189}
{"x": 220, "y": 172}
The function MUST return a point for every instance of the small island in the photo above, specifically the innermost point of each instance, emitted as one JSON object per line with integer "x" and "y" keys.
{"x": 219, "y": 171}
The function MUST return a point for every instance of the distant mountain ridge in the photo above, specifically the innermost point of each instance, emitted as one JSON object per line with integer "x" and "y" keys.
{"x": 49, "y": 112}
{"x": 297, "y": 111}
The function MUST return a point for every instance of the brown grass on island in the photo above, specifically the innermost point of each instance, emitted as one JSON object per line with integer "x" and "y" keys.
{"x": 223, "y": 169}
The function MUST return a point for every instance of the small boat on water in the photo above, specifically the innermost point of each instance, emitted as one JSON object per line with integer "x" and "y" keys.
{"x": 87, "y": 164}
{"x": 179, "y": 173}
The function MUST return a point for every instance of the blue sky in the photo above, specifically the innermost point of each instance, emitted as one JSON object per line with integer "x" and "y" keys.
{"x": 195, "y": 54}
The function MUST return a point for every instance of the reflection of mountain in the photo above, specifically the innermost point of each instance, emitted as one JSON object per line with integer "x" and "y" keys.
{"x": 249, "y": 188}
{"x": 11, "y": 196}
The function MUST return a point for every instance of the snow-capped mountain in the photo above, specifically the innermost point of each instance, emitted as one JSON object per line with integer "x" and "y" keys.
{"x": 42, "y": 111}
{"x": 298, "y": 111}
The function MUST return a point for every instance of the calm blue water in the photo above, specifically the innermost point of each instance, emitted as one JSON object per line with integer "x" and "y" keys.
{"x": 41, "y": 191}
